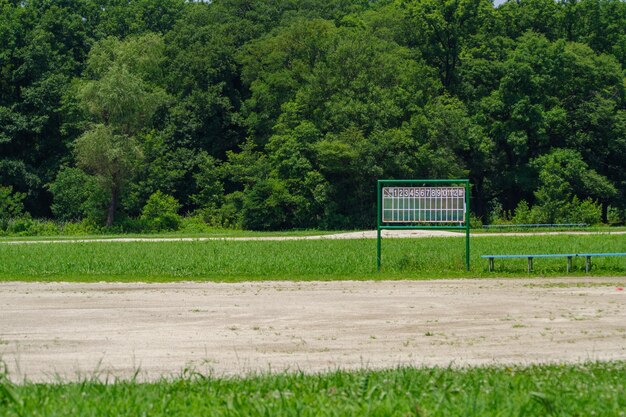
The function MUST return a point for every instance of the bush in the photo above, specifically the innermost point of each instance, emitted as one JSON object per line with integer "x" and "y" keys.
{"x": 266, "y": 206}
{"x": 125, "y": 224}
{"x": 84, "y": 227}
{"x": 475, "y": 222}
{"x": 10, "y": 205}
{"x": 497, "y": 215}
{"x": 573, "y": 211}
{"x": 229, "y": 215}
{"x": 161, "y": 213}
{"x": 194, "y": 224}
{"x": 25, "y": 226}
{"x": 615, "y": 216}
{"x": 77, "y": 195}
{"x": 522, "y": 214}
{"x": 587, "y": 211}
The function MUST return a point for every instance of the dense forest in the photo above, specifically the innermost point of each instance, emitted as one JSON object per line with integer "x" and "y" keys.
{"x": 275, "y": 114}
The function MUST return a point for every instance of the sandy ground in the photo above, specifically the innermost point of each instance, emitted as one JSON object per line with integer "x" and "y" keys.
{"x": 366, "y": 234}
{"x": 73, "y": 331}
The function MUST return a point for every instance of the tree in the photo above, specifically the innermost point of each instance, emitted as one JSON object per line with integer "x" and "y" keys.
{"x": 277, "y": 66}
{"x": 111, "y": 158}
{"x": 121, "y": 100}
{"x": 552, "y": 95}
{"x": 539, "y": 16}
{"x": 201, "y": 73}
{"x": 43, "y": 45}
{"x": 443, "y": 27}
{"x": 123, "y": 18}
{"x": 566, "y": 180}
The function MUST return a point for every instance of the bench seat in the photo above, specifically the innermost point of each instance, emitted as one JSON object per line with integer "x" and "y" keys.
{"x": 569, "y": 257}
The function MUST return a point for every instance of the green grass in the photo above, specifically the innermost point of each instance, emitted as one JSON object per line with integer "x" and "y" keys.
{"x": 549, "y": 390}
{"x": 214, "y": 233}
{"x": 513, "y": 229}
{"x": 300, "y": 260}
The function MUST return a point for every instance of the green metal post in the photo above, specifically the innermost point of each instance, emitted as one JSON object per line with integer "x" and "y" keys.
{"x": 378, "y": 251}
{"x": 378, "y": 217}
{"x": 467, "y": 225}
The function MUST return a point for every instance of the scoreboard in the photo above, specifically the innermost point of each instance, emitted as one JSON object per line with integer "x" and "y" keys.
{"x": 423, "y": 205}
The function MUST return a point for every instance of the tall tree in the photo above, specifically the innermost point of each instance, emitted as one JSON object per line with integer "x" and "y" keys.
{"x": 42, "y": 46}
{"x": 443, "y": 27}
{"x": 120, "y": 98}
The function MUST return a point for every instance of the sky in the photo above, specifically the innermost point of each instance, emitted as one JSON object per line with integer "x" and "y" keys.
{"x": 498, "y": 2}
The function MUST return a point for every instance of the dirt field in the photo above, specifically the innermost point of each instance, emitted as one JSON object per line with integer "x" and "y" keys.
{"x": 81, "y": 330}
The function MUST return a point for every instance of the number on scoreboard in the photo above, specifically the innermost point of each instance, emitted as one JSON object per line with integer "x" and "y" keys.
{"x": 423, "y": 205}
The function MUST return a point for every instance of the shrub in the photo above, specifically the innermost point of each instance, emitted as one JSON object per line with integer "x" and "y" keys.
{"x": 84, "y": 227}
{"x": 126, "y": 224}
{"x": 77, "y": 195}
{"x": 229, "y": 215}
{"x": 615, "y": 216}
{"x": 161, "y": 213}
{"x": 194, "y": 224}
{"x": 266, "y": 206}
{"x": 26, "y": 226}
{"x": 497, "y": 215}
{"x": 586, "y": 211}
{"x": 522, "y": 214}
{"x": 475, "y": 222}
{"x": 10, "y": 205}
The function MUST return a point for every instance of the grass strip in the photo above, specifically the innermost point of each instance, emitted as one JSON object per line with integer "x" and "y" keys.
{"x": 231, "y": 261}
{"x": 215, "y": 233}
{"x": 546, "y": 390}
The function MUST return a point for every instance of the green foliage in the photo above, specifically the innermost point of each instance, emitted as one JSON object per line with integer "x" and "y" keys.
{"x": 120, "y": 91}
{"x": 122, "y": 100}
{"x": 300, "y": 106}
{"x": 209, "y": 185}
{"x": 85, "y": 227}
{"x": 26, "y": 226}
{"x": 524, "y": 215}
{"x": 564, "y": 177}
{"x": 161, "y": 212}
{"x": 11, "y": 206}
{"x": 615, "y": 216}
{"x": 266, "y": 206}
{"x": 194, "y": 224}
{"x": 108, "y": 156}
{"x": 77, "y": 196}
{"x": 443, "y": 27}
{"x": 586, "y": 211}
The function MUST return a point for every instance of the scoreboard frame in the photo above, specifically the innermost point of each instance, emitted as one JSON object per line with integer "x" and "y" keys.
{"x": 423, "y": 204}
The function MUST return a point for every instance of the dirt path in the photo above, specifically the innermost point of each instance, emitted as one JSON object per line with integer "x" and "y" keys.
{"x": 78, "y": 330}
{"x": 367, "y": 234}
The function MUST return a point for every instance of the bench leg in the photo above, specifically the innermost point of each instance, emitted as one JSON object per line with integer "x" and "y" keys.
{"x": 530, "y": 264}
{"x": 587, "y": 263}
{"x": 569, "y": 263}
{"x": 490, "y": 264}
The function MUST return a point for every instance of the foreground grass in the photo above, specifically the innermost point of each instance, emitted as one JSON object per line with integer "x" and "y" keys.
{"x": 300, "y": 260}
{"x": 548, "y": 390}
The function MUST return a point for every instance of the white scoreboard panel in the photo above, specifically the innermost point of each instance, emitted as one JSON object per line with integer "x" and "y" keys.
{"x": 423, "y": 204}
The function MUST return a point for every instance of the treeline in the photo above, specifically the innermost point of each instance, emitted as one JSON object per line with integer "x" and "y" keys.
{"x": 273, "y": 114}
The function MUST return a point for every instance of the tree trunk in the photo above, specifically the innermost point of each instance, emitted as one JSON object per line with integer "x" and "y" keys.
{"x": 112, "y": 207}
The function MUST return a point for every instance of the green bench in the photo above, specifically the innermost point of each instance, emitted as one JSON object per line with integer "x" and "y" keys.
{"x": 569, "y": 257}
